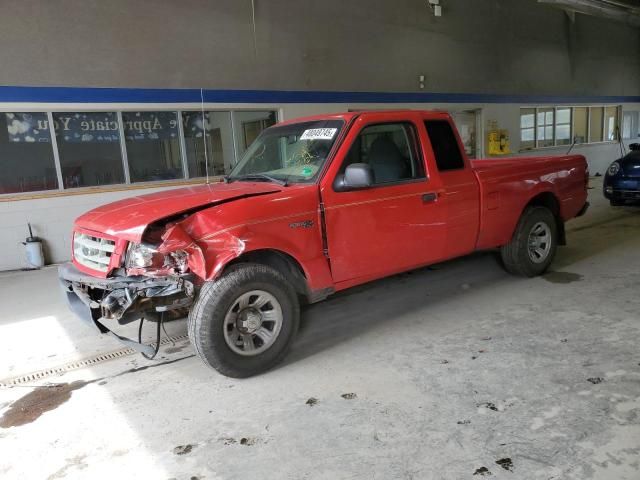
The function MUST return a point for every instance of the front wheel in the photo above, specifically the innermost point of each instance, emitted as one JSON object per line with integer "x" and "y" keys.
{"x": 243, "y": 323}
{"x": 533, "y": 245}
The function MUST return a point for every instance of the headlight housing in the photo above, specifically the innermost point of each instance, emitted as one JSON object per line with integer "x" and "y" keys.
{"x": 613, "y": 169}
{"x": 142, "y": 256}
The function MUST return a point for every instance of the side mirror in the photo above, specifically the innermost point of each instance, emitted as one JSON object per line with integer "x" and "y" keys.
{"x": 357, "y": 176}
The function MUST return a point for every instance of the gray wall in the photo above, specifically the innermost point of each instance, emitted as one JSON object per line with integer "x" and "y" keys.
{"x": 482, "y": 46}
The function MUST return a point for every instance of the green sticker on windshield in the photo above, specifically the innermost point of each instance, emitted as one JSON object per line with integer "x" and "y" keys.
{"x": 307, "y": 171}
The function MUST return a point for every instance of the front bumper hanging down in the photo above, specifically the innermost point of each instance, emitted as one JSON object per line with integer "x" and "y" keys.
{"x": 123, "y": 299}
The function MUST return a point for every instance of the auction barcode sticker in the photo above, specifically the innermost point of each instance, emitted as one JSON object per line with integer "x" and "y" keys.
{"x": 318, "y": 134}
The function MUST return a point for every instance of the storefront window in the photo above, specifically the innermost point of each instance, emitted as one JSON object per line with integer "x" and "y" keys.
{"x": 26, "y": 156}
{"x": 153, "y": 145}
{"x": 219, "y": 142}
{"x": 580, "y": 124}
{"x": 545, "y": 127}
{"x": 611, "y": 124}
{"x": 527, "y": 128}
{"x": 563, "y": 126}
{"x": 248, "y": 125}
{"x": 596, "y": 116}
{"x": 89, "y": 148}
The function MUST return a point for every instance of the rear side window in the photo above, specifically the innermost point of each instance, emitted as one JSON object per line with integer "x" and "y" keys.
{"x": 445, "y": 145}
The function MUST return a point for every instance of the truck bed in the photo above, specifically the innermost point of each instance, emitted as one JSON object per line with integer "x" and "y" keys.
{"x": 507, "y": 184}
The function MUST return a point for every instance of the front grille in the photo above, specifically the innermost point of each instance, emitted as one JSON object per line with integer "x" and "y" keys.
{"x": 93, "y": 252}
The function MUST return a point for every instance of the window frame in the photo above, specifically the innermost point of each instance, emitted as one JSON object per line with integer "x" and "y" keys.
{"x": 554, "y": 116}
{"x": 185, "y": 179}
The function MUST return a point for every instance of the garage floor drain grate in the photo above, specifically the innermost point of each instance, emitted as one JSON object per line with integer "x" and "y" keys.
{"x": 78, "y": 364}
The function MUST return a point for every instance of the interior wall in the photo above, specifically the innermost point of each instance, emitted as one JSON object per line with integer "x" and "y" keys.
{"x": 489, "y": 46}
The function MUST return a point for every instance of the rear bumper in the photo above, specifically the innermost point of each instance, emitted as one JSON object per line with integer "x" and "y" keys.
{"x": 124, "y": 299}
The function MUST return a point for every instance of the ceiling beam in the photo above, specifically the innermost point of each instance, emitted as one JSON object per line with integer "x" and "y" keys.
{"x": 612, "y": 9}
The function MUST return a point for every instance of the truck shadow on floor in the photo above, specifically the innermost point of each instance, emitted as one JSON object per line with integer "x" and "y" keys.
{"x": 349, "y": 314}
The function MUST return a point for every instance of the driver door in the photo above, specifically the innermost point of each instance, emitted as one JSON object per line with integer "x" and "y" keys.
{"x": 397, "y": 223}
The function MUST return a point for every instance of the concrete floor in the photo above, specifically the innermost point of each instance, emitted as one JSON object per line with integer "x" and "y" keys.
{"x": 448, "y": 371}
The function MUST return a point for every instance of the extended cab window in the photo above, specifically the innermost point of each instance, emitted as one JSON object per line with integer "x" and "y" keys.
{"x": 390, "y": 150}
{"x": 445, "y": 145}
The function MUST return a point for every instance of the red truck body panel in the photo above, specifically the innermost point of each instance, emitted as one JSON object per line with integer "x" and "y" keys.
{"x": 507, "y": 185}
{"x": 341, "y": 239}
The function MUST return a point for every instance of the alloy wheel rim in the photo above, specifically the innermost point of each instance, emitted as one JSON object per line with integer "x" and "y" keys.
{"x": 252, "y": 323}
{"x": 539, "y": 242}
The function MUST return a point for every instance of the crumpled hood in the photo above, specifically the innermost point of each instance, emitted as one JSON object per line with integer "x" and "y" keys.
{"x": 127, "y": 219}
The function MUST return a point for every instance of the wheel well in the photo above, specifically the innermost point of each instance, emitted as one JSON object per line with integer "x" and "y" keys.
{"x": 550, "y": 201}
{"x": 280, "y": 261}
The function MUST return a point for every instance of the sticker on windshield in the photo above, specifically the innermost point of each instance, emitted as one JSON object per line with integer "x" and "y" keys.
{"x": 318, "y": 134}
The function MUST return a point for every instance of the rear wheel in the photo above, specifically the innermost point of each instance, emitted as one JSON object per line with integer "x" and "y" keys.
{"x": 533, "y": 245}
{"x": 243, "y": 323}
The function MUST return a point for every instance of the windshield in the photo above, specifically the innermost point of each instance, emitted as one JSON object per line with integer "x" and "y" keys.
{"x": 292, "y": 153}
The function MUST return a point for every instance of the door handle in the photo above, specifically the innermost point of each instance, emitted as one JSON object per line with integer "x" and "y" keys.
{"x": 429, "y": 197}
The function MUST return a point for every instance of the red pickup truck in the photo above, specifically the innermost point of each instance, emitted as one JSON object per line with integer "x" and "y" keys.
{"x": 316, "y": 205}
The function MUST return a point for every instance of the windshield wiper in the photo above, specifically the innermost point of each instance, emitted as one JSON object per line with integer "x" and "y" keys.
{"x": 259, "y": 176}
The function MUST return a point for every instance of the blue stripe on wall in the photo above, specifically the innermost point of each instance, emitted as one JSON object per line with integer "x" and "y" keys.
{"x": 156, "y": 95}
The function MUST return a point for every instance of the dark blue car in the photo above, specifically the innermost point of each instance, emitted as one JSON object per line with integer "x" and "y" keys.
{"x": 622, "y": 180}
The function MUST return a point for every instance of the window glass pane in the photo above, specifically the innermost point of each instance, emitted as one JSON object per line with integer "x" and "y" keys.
{"x": 563, "y": 134}
{"x": 26, "y": 156}
{"x": 390, "y": 150}
{"x": 563, "y": 115}
{"x": 627, "y": 122}
{"x": 248, "y": 125}
{"x": 548, "y": 117}
{"x": 89, "y": 148}
{"x": 527, "y": 128}
{"x": 153, "y": 147}
{"x": 445, "y": 145}
{"x": 219, "y": 145}
{"x": 563, "y": 126}
{"x": 545, "y": 127}
{"x": 527, "y": 117}
{"x": 527, "y": 135}
{"x": 580, "y": 124}
{"x": 595, "y": 124}
{"x": 611, "y": 123}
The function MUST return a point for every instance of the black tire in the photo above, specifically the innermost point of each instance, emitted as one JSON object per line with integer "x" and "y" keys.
{"x": 515, "y": 255}
{"x": 207, "y": 319}
{"x": 616, "y": 203}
